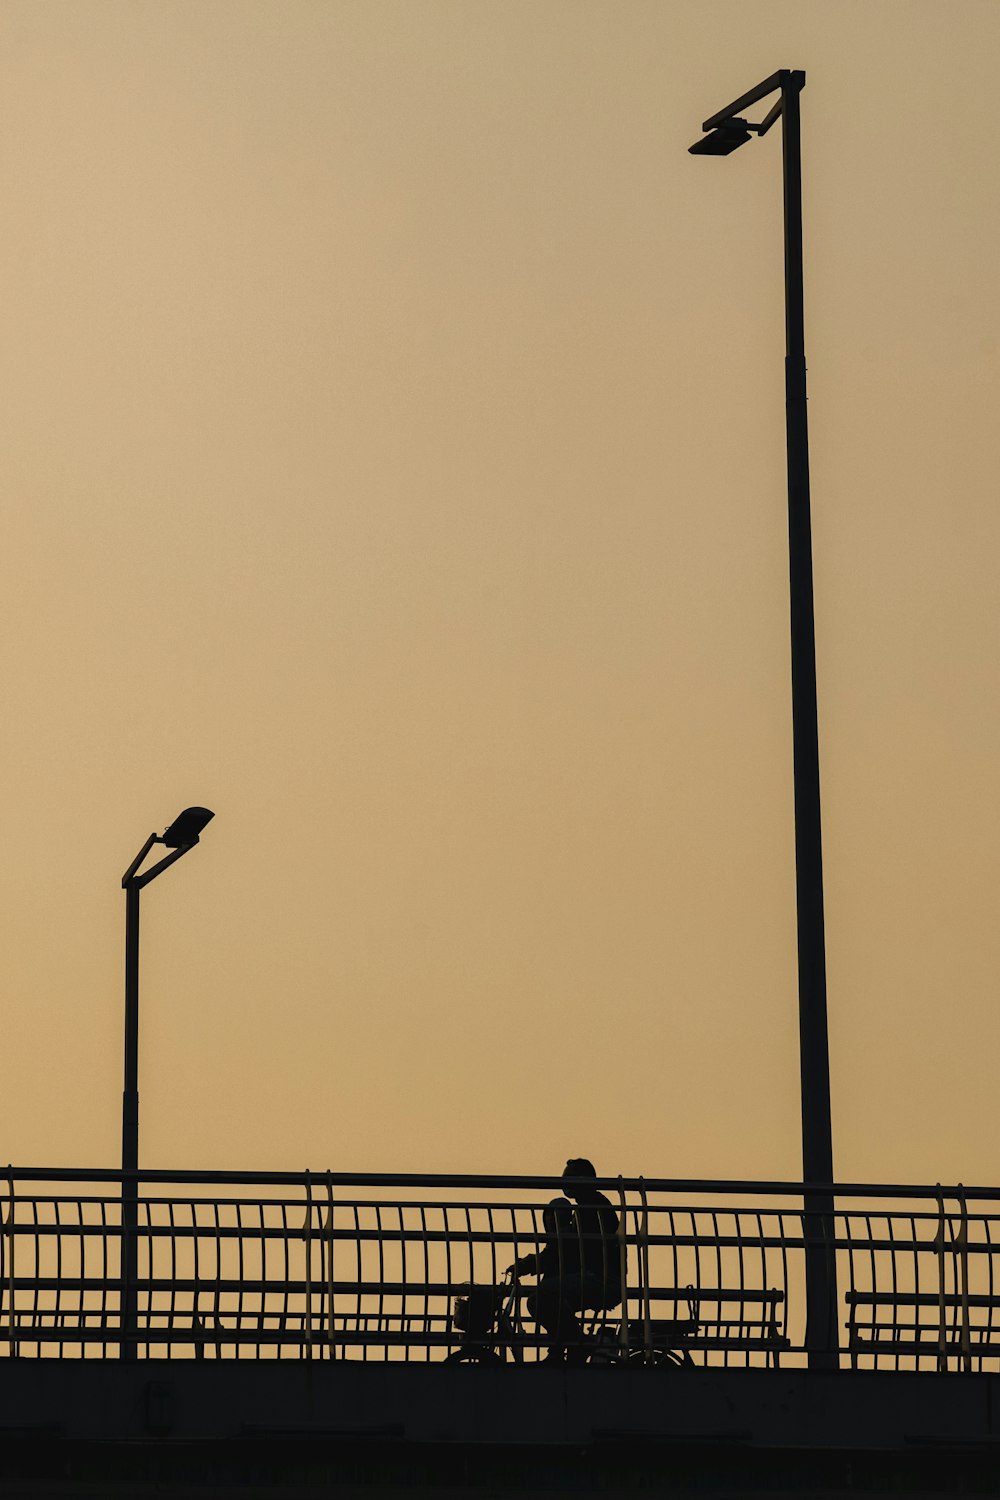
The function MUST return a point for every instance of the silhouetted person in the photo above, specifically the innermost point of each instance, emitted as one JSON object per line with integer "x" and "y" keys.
{"x": 578, "y": 1267}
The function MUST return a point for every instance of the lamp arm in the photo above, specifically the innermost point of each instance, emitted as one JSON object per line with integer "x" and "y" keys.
{"x": 772, "y": 115}
{"x": 776, "y": 81}
{"x": 129, "y": 873}
{"x": 162, "y": 864}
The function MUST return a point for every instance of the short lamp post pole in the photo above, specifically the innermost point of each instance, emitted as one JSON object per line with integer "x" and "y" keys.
{"x": 179, "y": 838}
{"x": 130, "y": 1094}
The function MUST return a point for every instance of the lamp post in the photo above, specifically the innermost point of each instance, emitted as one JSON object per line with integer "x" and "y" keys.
{"x": 726, "y": 131}
{"x": 179, "y": 838}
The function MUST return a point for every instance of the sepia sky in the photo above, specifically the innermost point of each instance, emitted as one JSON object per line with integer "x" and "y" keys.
{"x": 393, "y": 462}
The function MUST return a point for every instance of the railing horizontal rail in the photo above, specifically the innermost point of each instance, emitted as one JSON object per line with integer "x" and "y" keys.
{"x": 500, "y": 1238}
{"x": 719, "y": 1187}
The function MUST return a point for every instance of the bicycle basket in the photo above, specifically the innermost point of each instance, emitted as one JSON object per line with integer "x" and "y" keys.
{"x": 475, "y": 1312}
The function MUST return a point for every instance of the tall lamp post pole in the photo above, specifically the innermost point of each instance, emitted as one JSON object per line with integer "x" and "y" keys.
{"x": 726, "y": 131}
{"x": 179, "y": 838}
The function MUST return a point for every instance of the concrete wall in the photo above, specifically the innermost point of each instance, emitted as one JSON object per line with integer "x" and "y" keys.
{"x": 392, "y": 1429}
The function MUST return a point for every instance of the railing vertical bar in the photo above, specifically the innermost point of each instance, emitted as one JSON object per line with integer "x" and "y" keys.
{"x": 264, "y": 1294}
{"x": 852, "y": 1284}
{"x": 784, "y": 1273}
{"x": 357, "y": 1255}
{"x": 623, "y": 1334}
{"x": 172, "y": 1315}
{"x": 894, "y": 1282}
{"x": 675, "y": 1258}
{"x": 918, "y": 1283}
{"x": 785, "y": 1312}
{"x": 35, "y": 1305}
{"x": 150, "y": 1273}
{"x": 739, "y": 1234}
{"x": 196, "y": 1318}
{"x": 934, "y": 1324}
{"x": 939, "y": 1244}
{"x": 963, "y": 1269}
{"x": 286, "y": 1295}
{"x": 771, "y": 1355}
{"x": 217, "y": 1293}
{"x": 104, "y": 1275}
{"x": 873, "y": 1266}
{"x": 240, "y": 1271}
{"x": 305, "y": 1349}
{"x": 718, "y": 1270}
{"x": 447, "y": 1259}
{"x": 470, "y": 1247}
{"x": 380, "y": 1311}
{"x": 740, "y": 1268}
{"x": 697, "y": 1268}
{"x": 493, "y": 1246}
{"x": 82, "y": 1262}
{"x": 764, "y": 1278}
{"x": 647, "y": 1321}
{"x": 990, "y": 1285}
{"x": 58, "y": 1305}
{"x": 329, "y": 1262}
{"x": 954, "y": 1243}
{"x": 404, "y": 1246}
{"x": 427, "y": 1277}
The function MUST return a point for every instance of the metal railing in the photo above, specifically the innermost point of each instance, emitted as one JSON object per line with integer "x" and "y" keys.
{"x": 380, "y": 1267}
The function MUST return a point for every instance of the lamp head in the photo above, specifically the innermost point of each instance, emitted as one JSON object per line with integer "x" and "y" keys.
{"x": 722, "y": 140}
{"x": 186, "y": 827}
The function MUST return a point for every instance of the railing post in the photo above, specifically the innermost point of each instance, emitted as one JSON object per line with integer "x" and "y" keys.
{"x": 328, "y": 1256}
{"x": 939, "y": 1243}
{"x": 307, "y": 1321}
{"x": 8, "y": 1223}
{"x": 963, "y": 1265}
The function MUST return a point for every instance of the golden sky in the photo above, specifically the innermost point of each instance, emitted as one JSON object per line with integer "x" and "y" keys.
{"x": 394, "y": 463}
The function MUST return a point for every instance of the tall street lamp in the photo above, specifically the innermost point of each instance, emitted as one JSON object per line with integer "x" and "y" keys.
{"x": 179, "y": 838}
{"x": 725, "y": 132}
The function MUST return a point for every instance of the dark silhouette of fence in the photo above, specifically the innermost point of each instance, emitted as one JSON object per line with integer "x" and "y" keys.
{"x": 348, "y": 1267}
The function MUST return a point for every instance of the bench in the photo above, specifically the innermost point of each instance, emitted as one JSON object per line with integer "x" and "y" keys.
{"x": 720, "y": 1320}
{"x": 716, "y": 1321}
{"x": 954, "y": 1333}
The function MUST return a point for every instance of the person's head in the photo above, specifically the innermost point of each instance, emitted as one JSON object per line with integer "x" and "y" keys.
{"x": 579, "y": 1166}
{"x": 557, "y": 1215}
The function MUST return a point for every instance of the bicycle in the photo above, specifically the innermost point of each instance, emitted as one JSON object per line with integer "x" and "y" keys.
{"x": 489, "y": 1320}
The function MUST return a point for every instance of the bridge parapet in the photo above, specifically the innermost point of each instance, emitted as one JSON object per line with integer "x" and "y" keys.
{"x": 379, "y": 1268}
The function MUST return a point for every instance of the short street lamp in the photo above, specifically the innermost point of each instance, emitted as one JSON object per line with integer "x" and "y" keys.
{"x": 726, "y": 131}
{"x": 181, "y": 836}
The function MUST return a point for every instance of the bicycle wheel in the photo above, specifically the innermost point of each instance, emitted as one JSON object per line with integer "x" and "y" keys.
{"x": 474, "y": 1354}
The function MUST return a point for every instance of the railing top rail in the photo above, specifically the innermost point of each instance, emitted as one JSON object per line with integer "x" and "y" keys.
{"x": 454, "y": 1180}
